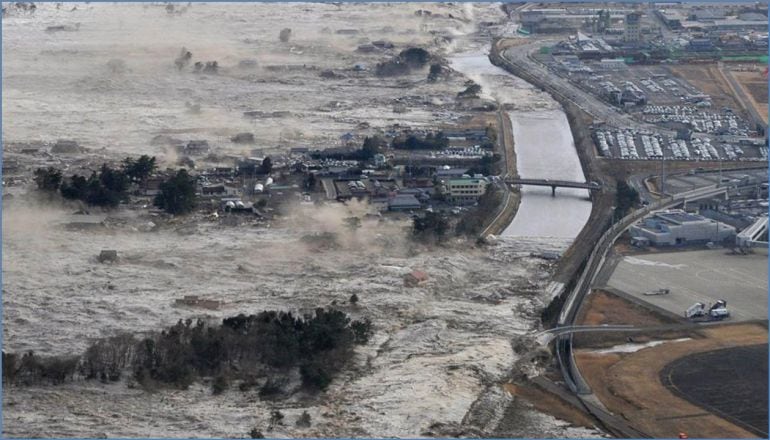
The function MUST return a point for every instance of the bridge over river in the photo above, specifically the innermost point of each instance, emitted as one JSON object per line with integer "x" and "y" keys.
{"x": 593, "y": 186}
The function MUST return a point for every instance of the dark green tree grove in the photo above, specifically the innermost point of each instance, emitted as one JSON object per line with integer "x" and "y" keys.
{"x": 177, "y": 194}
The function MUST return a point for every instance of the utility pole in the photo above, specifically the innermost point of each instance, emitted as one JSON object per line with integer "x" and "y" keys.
{"x": 661, "y": 176}
{"x": 720, "y": 170}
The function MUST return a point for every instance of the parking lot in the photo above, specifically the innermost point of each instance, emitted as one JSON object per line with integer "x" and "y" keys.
{"x": 697, "y": 276}
{"x": 653, "y": 94}
{"x": 633, "y": 145}
{"x": 658, "y": 84}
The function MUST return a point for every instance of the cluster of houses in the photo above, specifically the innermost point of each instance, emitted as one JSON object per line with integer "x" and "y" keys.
{"x": 396, "y": 190}
{"x": 307, "y": 175}
{"x": 392, "y": 189}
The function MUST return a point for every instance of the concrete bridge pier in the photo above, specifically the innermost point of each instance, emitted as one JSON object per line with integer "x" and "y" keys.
{"x": 553, "y": 190}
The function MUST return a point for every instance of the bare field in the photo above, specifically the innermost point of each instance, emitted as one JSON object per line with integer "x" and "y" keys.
{"x": 707, "y": 77}
{"x": 602, "y": 307}
{"x": 755, "y": 86}
{"x": 702, "y": 378}
{"x": 629, "y": 384}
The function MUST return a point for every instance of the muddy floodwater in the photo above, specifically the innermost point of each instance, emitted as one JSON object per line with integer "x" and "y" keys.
{"x": 103, "y": 75}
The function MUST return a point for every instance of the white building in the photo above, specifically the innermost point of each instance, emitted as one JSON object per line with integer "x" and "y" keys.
{"x": 676, "y": 227}
{"x": 612, "y": 64}
{"x": 465, "y": 191}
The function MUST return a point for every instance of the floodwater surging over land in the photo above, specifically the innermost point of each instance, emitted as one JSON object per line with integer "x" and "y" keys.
{"x": 440, "y": 350}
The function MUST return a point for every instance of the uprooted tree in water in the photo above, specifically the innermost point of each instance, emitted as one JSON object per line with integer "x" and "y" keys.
{"x": 406, "y": 61}
{"x": 184, "y": 58}
{"x": 415, "y": 57}
{"x": 207, "y": 67}
{"x": 471, "y": 91}
{"x": 284, "y": 35}
{"x": 436, "y": 72}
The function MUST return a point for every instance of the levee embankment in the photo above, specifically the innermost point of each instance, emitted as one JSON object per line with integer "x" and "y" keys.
{"x": 580, "y": 121}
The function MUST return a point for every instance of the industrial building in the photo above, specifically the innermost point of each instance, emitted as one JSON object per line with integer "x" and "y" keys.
{"x": 677, "y": 227}
{"x": 672, "y": 18}
{"x": 701, "y": 45}
{"x": 450, "y": 173}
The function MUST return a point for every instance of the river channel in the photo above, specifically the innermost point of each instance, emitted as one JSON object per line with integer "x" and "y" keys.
{"x": 544, "y": 149}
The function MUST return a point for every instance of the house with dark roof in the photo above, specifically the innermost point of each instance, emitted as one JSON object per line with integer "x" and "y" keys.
{"x": 404, "y": 202}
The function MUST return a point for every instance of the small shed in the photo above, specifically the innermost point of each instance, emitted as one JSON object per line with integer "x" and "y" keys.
{"x": 196, "y": 301}
{"x": 243, "y": 138}
{"x": 108, "y": 256}
{"x": 65, "y": 147}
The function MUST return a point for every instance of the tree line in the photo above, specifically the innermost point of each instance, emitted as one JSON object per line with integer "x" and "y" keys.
{"x": 110, "y": 185}
{"x": 371, "y": 146}
{"x": 266, "y": 345}
{"x": 375, "y": 144}
{"x": 107, "y": 188}
{"x": 431, "y": 141}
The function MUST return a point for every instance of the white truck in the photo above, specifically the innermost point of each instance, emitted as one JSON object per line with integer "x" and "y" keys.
{"x": 695, "y": 311}
{"x": 717, "y": 311}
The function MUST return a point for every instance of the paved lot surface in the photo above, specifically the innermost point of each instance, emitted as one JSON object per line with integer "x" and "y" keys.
{"x": 682, "y": 183}
{"x": 697, "y": 276}
{"x": 728, "y": 382}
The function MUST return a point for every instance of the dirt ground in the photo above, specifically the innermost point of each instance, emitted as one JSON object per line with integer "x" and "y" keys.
{"x": 602, "y": 307}
{"x": 706, "y": 77}
{"x": 622, "y": 169}
{"x": 602, "y": 201}
{"x": 629, "y": 383}
{"x": 551, "y": 404}
{"x": 702, "y": 378}
{"x": 755, "y": 86}
{"x": 506, "y": 143}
